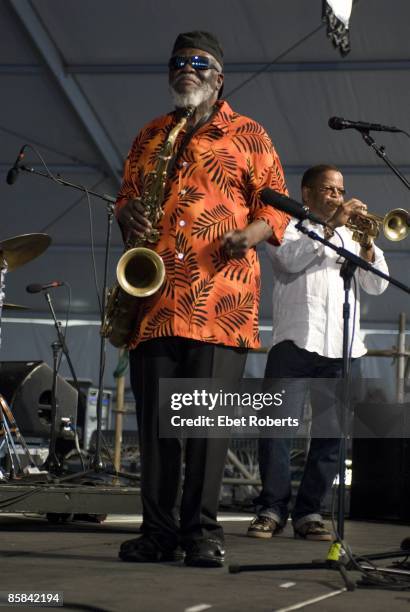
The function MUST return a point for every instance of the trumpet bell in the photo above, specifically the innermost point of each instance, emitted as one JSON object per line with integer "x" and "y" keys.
{"x": 396, "y": 224}
{"x": 140, "y": 272}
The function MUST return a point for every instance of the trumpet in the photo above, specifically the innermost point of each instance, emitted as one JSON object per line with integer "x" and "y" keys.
{"x": 395, "y": 225}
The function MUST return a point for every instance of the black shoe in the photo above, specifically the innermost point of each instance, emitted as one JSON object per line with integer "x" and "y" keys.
{"x": 147, "y": 550}
{"x": 204, "y": 553}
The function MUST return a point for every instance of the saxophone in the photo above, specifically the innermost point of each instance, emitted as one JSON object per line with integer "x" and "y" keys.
{"x": 140, "y": 270}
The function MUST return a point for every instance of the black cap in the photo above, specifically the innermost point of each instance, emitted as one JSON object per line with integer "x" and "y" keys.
{"x": 199, "y": 40}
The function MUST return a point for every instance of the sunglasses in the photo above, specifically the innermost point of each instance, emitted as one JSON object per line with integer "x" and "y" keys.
{"x": 198, "y": 62}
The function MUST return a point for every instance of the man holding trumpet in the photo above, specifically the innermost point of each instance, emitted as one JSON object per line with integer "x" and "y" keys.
{"x": 308, "y": 298}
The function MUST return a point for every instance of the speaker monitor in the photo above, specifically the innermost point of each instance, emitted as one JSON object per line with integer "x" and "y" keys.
{"x": 381, "y": 477}
{"x": 26, "y": 386}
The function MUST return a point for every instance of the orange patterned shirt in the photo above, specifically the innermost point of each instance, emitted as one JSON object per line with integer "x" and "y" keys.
{"x": 213, "y": 189}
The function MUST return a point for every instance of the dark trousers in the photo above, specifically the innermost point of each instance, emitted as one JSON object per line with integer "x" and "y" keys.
{"x": 286, "y": 360}
{"x": 162, "y": 458}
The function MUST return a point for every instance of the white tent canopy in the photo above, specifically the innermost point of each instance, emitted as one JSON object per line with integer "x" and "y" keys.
{"x": 79, "y": 79}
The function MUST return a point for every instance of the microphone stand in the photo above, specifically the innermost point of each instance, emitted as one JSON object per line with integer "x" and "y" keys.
{"x": 52, "y": 463}
{"x": 348, "y": 268}
{"x": 58, "y": 179}
{"x": 380, "y": 151}
{"x": 97, "y": 462}
{"x": 336, "y": 552}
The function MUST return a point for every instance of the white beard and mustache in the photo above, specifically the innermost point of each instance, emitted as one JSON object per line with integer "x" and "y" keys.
{"x": 192, "y": 98}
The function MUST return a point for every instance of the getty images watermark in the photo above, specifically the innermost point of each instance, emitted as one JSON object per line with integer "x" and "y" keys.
{"x": 277, "y": 408}
{"x": 223, "y": 402}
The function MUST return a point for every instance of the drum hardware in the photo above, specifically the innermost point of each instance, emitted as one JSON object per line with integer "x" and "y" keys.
{"x": 8, "y": 306}
{"x": 19, "y": 250}
{"x": 15, "y": 252}
{"x": 8, "y": 428}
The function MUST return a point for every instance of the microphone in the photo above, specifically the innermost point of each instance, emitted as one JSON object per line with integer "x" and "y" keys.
{"x": 287, "y": 205}
{"x": 12, "y": 174}
{"x": 338, "y": 123}
{"x": 36, "y": 288}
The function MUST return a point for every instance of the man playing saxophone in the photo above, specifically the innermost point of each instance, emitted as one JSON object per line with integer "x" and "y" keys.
{"x": 204, "y": 317}
{"x": 308, "y": 297}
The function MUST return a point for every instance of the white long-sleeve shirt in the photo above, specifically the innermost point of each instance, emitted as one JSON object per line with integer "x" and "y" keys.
{"x": 308, "y": 292}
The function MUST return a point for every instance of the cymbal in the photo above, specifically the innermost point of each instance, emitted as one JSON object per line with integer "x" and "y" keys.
{"x": 8, "y": 306}
{"x": 21, "y": 249}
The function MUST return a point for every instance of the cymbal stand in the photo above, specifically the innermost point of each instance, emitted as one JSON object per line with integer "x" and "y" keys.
{"x": 3, "y": 272}
{"x": 8, "y": 441}
{"x": 4, "y": 427}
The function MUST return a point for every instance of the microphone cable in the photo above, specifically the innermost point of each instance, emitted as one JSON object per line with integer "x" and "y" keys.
{"x": 44, "y": 229}
{"x": 72, "y": 158}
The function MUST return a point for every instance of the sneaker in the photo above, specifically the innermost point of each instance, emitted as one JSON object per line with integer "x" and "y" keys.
{"x": 313, "y": 530}
{"x": 263, "y": 527}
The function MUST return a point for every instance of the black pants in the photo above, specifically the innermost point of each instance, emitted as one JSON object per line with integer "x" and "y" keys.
{"x": 161, "y": 458}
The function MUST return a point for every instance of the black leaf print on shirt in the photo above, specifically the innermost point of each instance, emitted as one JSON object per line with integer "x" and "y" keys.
{"x": 143, "y": 139}
{"x": 218, "y": 258}
{"x": 168, "y": 258}
{"x": 160, "y": 324}
{"x": 187, "y": 163}
{"x": 233, "y": 311}
{"x": 251, "y": 137}
{"x": 279, "y": 180}
{"x": 190, "y": 195}
{"x": 255, "y": 331}
{"x": 247, "y": 183}
{"x": 186, "y": 269}
{"x": 226, "y": 120}
{"x": 212, "y": 134}
{"x": 214, "y": 223}
{"x": 243, "y": 342}
{"x": 192, "y": 305}
{"x": 156, "y": 150}
{"x": 238, "y": 270}
{"x": 221, "y": 166}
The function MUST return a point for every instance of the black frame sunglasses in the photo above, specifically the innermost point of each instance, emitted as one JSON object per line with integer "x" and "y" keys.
{"x": 198, "y": 62}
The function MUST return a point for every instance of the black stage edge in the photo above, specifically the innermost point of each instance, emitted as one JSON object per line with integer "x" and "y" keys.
{"x": 69, "y": 498}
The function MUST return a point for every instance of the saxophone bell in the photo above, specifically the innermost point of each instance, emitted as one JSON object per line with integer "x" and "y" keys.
{"x": 140, "y": 272}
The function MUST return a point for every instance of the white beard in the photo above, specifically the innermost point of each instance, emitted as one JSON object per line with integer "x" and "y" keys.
{"x": 192, "y": 98}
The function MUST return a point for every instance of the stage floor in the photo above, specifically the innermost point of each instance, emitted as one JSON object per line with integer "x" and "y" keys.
{"x": 80, "y": 560}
